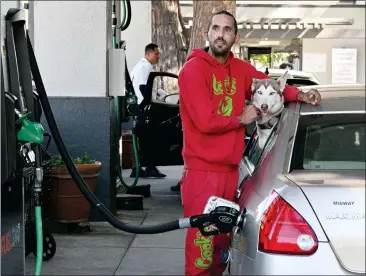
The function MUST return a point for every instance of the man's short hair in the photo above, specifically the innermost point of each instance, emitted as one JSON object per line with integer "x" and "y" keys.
{"x": 228, "y": 14}
{"x": 150, "y": 48}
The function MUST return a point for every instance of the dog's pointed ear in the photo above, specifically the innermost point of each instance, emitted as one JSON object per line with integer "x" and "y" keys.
{"x": 282, "y": 81}
{"x": 254, "y": 82}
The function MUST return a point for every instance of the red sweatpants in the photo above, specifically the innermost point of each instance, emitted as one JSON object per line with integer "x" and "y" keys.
{"x": 202, "y": 254}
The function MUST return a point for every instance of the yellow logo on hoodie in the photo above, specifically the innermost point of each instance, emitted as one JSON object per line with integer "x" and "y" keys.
{"x": 225, "y": 107}
{"x": 217, "y": 86}
{"x": 232, "y": 91}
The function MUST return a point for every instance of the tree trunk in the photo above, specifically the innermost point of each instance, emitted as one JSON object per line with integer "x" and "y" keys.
{"x": 202, "y": 12}
{"x": 167, "y": 33}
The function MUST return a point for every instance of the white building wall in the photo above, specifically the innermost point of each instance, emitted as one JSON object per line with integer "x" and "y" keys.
{"x": 138, "y": 34}
{"x": 70, "y": 42}
{"x": 71, "y": 39}
{"x": 324, "y": 46}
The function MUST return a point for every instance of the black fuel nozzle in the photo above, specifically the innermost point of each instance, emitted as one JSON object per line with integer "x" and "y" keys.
{"x": 220, "y": 220}
{"x": 200, "y": 221}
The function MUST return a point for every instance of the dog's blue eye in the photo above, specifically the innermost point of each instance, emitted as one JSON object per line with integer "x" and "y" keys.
{"x": 272, "y": 93}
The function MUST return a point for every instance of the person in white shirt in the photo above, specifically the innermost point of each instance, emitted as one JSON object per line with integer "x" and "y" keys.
{"x": 139, "y": 76}
{"x": 140, "y": 73}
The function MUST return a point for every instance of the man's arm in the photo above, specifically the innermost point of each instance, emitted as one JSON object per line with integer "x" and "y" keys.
{"x": 290, "y": 94}
{"x": 195, "y": 97}
{"x": 139, "y": 78}
{"x": 143, "y": 76}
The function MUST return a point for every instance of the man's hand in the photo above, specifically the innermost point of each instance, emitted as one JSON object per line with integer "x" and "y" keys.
{"x": 249, "y": 115}
{"x": 311, "y": 97}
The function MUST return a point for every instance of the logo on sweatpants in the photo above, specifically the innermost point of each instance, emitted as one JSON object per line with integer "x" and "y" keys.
{"x": 206, "y": 246}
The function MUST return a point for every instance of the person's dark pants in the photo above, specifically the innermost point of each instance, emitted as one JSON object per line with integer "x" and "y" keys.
{"x": 150, "y": 144}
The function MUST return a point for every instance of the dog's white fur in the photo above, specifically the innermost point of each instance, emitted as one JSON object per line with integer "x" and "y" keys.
{"x": 268, "y": 92}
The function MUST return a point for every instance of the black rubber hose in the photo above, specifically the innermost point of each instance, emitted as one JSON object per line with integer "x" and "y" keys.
{"x": 84, "y": 189}
{"x": 129, "y": 15}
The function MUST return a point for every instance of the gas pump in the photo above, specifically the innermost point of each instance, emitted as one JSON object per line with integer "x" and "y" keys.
{"x": 22, "y": 137}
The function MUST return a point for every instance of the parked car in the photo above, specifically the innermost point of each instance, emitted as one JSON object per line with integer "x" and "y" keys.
{"x": 295, "y": 77}
{"x": 304, "y": 192}
{"x": 165, "y": 118}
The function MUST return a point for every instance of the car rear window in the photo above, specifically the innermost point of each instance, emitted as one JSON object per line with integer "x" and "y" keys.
{"x": 330, "y": 142}
{"x": 300, "y": 82}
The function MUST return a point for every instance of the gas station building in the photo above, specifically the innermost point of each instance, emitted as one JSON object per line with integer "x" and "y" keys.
{"x": 71, "y": 40}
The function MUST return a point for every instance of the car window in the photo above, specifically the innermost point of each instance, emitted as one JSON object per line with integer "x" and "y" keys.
{"x": 253, "y": 154}
{"x": 172, "y": 98}
{"x": 300, "y": 82}
{"x": 165, "y": 89}
{"x": 330, "y": 142}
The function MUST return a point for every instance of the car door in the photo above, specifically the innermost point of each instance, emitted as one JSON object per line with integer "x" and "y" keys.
{"x": 162, "y": 117}
{"x": 243, "y": 240}
{"x": 252, "y": 159}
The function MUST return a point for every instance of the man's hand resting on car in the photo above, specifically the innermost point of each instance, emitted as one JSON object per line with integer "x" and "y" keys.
{"x": 311, "y": 97}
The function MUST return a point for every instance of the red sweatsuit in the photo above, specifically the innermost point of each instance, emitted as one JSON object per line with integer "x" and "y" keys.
{"x": 212, "y": 95}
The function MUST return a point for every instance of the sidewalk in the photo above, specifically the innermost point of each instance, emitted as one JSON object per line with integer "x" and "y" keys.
{"x": 108, "y": 251}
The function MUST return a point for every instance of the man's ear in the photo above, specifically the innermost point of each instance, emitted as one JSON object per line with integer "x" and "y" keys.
{"x": 205, "y": 35}
{"x": 282, "y": 81}
{"x": 254, "y": 84}
{"x": 237, "y": 38}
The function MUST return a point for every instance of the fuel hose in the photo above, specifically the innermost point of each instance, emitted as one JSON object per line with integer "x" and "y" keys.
{"x": 88, "y": 194}
{"x": 126, "y": 15}
{"x": 39, "y": 238}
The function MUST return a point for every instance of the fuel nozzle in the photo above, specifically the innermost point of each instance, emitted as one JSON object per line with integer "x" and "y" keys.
{"x": 30, "y": 132}
{"x": 220, "y": 217}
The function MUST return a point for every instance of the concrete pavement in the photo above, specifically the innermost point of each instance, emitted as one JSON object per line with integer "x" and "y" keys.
{"x": 108, "y": 251}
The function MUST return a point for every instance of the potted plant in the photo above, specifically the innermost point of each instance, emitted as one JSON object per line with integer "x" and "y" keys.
{"x": 68, "y": 204}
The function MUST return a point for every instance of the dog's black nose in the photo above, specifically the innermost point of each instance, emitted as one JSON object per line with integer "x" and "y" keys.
{"x": 264, "y": 106}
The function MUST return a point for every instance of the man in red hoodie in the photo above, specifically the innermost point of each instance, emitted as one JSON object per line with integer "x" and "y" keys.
{"x": 213, "y": 88}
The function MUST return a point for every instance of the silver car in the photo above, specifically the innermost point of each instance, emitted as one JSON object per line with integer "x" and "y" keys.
{"x": 304, "y": 193}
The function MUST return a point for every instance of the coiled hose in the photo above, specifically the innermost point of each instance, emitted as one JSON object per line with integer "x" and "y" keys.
{"x": 135, "y": 151}
{"x": 125, "y": 22}
{"x": 84, "y": 189}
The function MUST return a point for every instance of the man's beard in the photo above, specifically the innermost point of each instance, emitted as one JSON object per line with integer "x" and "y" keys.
{"x": 220, "y": 50}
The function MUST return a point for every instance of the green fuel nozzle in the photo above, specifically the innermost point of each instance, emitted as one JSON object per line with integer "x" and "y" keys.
{"x": 30, "y": 132}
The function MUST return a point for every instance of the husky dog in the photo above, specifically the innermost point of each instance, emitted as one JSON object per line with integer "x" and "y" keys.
{"x": 267, "y": 96}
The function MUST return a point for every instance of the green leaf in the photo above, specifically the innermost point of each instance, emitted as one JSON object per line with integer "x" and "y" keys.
{"x": 57, "y": 161}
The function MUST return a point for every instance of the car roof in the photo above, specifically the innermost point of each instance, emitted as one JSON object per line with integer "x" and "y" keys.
{"x": 292, "y": 74}
{"x": 337, "y": 99}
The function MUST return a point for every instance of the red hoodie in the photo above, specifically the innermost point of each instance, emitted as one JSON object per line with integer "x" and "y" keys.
{"x": 212, "y": 95}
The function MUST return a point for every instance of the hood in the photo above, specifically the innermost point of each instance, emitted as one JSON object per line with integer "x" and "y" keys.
{"x": 202, "y": 54}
